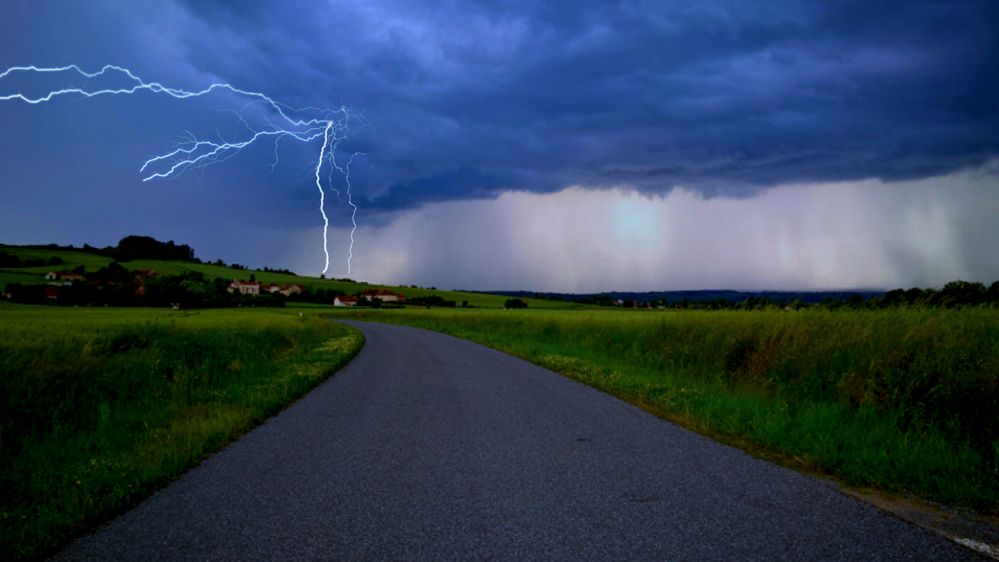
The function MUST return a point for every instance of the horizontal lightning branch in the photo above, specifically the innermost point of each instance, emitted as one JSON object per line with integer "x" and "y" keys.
{"x": 330, "y": 126}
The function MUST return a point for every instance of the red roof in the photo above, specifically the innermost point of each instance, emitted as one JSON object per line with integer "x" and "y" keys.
{"x": 383, "y": 293}
{"x": 345, "y": 298}
{"x": 66, "y": 274}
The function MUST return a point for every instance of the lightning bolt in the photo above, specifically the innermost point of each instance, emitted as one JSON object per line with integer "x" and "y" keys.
{"x": 353, "y": 213}
{"x": 331, "y": 126}
{"x": 322, "y": 194}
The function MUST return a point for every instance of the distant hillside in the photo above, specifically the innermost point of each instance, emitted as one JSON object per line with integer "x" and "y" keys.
{"x": 128, "y": 248}
{"x": 679, "y": 297}
{"x": 27, "y": 266}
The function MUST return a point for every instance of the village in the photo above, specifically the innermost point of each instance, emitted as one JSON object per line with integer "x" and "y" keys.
{"x": 254, "y": 288}
{"x": 58, "y": 282}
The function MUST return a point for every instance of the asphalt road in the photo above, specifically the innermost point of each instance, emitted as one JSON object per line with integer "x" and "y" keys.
{"x": 428, "y": 447}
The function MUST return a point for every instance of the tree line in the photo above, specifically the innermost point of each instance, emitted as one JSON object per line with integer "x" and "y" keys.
{"x": 955, "y": 294}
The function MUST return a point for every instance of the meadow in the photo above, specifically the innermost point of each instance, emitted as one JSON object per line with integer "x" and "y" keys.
{"x": 92, "y": 262}
{"x": 99, "y": 407}
{"x": 902, "y": 400}
{"x": 102, "y": 406}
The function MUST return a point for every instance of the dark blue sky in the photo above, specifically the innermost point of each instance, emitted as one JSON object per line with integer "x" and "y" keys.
{"x": 466, "y": 100}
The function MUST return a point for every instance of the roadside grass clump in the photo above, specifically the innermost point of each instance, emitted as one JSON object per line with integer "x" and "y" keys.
{"x": 102, "y": 406}
{"x": 904, "y": 400}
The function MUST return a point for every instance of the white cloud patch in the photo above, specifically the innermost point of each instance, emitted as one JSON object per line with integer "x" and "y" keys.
{"x": 839, "y": 235}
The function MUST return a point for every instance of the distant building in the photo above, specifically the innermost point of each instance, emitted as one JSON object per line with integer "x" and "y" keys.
{"x": 64, "y": 276}
{"x": 286, "y": 290}
{"x": 343, "y": 300}
{"x": 140, "y": 280}
{"x": 289, "y": 290}
{"x": 251, "y": 288}
{"x": 384, "y": 295}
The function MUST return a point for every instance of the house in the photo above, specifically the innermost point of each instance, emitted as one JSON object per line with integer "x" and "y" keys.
{"x": 64, "y": 276}
{"x": 53, "y": 292}
{"x": 251, "y": 288}
{"x": 286, "y": 290}
{"x": 343, "y": 300}
{"x": 384, "y": 295}
{"x": 289, "y": 290}
{"x": 140, "y": 276}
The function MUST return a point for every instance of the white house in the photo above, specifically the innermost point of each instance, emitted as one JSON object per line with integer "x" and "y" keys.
{"x": 64, "y": 276}
{"x": 343, "y": 300}
{"x": 384, "y": 295}
{"x": 245, "y": 287}
{"x": 289, "y": 290}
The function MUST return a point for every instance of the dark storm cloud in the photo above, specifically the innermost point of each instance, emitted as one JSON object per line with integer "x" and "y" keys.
{"x": 467, "y": 99}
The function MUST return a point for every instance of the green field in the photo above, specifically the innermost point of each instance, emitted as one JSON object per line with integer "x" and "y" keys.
{"x": 904, "y": 400}
{"x": 100, "y": 406}
{"x": 35, "y": 274}
{"x": 72, "y": 258}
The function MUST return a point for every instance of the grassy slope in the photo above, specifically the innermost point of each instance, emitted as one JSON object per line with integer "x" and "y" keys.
{"x": 474, "y": 299}
{"x": 33, "y": 275}
{"x": 70, "y": 258}
{"x": 902, "y": 400}
{"x": 29, "y": 275}
{"x": 98, "y": 406}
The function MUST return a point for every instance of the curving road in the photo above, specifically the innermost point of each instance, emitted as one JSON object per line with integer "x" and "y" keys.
{"x": 429, "y": 447}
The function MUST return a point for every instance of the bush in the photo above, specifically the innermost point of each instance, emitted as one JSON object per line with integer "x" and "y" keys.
{"x": 514, "y": 303}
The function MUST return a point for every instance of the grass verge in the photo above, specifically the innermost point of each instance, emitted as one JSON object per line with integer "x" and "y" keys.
{"x": 900, "y": 400}
{"x": 102, "y": 406}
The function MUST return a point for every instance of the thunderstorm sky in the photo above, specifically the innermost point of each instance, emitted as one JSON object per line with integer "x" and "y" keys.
{"x": 566, "y": 146}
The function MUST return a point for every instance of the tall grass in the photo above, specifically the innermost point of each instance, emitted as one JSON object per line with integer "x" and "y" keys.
{"x": 100, "y": 407}
{"x": 903, "y": 400}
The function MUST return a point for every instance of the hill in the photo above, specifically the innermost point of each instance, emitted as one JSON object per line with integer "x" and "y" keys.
{"x": 33, "y": 262}
{"x": 705, "y": 297}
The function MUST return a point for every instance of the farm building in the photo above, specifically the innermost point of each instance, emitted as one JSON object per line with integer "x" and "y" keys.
{"x": 343, "y": 300}
{"x": 251, "y": 288}
{"x": 384, "y": 295}
{"x": 286, "y": 290}
{"x": 64, "y": 276}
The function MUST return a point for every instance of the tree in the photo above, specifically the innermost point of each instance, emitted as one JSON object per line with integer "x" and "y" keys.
{"x": 146, "y": 247}
{"x": 114, "y": 272}
{"x": 962, "y": 293}
{"x": 856, "y": 300}
{"x": 993, "y": 293}
{"x": 514, "y": 303}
